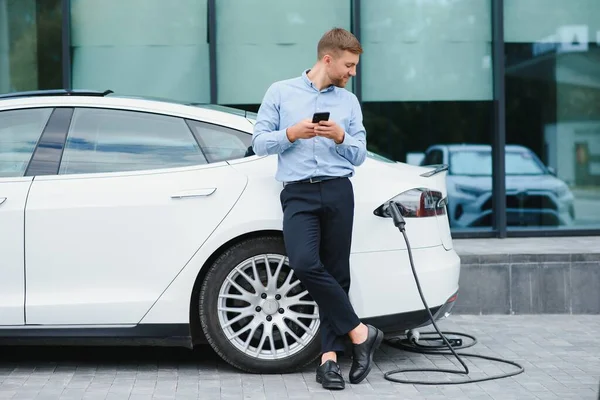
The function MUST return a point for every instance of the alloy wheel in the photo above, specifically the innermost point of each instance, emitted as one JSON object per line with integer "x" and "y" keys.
{"x": 265, "y": 311}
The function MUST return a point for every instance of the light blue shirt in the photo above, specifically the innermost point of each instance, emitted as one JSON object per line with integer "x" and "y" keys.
{"x": 288, "y": 102}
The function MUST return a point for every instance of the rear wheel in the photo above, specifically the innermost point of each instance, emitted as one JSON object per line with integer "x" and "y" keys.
{"x": 255, "y": 312}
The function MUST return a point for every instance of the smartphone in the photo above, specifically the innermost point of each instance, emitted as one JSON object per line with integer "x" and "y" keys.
{"x": 320, "y": 116}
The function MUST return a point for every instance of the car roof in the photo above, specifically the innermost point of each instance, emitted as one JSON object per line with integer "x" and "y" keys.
{"x": 236, "y": 118}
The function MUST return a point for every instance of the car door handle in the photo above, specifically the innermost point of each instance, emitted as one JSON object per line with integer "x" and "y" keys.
{"x": 194, "y": 193}
{"x": 2, "y": 200}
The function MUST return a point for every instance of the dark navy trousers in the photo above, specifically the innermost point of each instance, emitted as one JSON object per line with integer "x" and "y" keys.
{"x": 317, "y": 229}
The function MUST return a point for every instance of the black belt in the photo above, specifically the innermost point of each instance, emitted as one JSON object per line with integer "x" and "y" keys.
{"x": 316, "y": 179}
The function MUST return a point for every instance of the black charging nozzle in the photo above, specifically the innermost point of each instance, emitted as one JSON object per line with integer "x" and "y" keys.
{"x": 396, "y": 215}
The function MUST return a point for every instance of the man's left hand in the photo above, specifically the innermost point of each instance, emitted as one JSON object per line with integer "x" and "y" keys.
{"x": 331, "y": 130}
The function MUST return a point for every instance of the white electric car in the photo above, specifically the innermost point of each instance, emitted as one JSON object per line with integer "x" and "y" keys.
{"x": 139, "y": 221}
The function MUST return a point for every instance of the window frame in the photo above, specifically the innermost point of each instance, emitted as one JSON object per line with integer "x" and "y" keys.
{"x": 427, "y": 156}
{"x": 438, "y": 153}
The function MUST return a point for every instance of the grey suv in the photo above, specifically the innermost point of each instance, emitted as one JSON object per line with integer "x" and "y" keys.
{"x": 534, "y": 195}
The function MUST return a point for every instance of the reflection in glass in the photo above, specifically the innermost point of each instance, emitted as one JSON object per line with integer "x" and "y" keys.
{"x": 518, "y": 162}
{"x": 20, "y": 130}
{"x": 263, "y": 41}
{"x": 152, "y": 48}
{"x": 535, "y": 197}
{"x": 427, "y": 80}
{"x": 553, "y": 98}
{"x": 115, "y": 141}
{"x": 30, "y": 45}
{"x": 220, "y": 143}
{"x": 426, "y": 50}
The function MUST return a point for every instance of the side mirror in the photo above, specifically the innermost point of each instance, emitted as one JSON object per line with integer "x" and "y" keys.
{"x": 552, "y": 171}
{"x": 249, "y": 152}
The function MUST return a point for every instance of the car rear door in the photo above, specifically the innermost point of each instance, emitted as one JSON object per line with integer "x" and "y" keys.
{"x": 20, "y": 131}
{"x": 132, "y": 201}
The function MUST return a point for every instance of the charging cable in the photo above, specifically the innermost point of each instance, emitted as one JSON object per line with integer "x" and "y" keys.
{"x": 411, "y": 344}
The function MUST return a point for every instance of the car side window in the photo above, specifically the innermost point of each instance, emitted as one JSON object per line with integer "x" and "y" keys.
{"x": 107, "y": 140}
{"x": 433, "y": 157}
{"x": 220, "y": 143}
{"x": 20, "y": 131}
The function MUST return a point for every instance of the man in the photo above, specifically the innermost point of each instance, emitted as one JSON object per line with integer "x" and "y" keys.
{"x": 315, "y": 161}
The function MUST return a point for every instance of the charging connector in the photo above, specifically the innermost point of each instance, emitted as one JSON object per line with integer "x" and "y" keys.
{"x": 396, "y": 216}
{"x": 414, "y": 336}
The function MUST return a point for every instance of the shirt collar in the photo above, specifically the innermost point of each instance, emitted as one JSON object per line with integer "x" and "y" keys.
{"x": 310, "y": 84}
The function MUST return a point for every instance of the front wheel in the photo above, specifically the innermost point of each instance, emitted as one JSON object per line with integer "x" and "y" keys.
{"x": 255, "y": 312}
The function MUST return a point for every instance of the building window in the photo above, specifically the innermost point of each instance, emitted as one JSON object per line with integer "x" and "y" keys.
{"x": 427, "y": 81}
{"x": 30, "y": 45}
{"x": 553, "y": 111}
{"x": 262, "y": 41}
{"x": 152, "y": 48}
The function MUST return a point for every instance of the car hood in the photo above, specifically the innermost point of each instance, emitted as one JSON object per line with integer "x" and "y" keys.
{"x": 513, "y": 182}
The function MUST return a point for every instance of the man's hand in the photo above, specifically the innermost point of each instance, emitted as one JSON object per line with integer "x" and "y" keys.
{"x": 304, "y": 129}
{"x": 331, "y": 130}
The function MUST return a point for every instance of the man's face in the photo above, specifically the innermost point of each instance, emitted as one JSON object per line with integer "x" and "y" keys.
{"x": 340, "y": 67}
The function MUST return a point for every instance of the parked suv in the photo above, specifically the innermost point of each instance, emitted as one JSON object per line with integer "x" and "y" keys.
{"x": 534, "y": 195}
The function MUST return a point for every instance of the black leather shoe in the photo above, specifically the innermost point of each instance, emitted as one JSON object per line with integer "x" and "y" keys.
{"x": 329, "y": 376}
{"x": 362, "y": 355}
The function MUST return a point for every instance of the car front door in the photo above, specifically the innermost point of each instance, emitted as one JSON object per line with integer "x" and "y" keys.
{"x": 20, "y": 131}
{"x": 133, "y": 200}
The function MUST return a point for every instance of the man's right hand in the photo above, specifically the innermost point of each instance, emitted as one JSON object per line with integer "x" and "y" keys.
{"x": 304, "y": 129}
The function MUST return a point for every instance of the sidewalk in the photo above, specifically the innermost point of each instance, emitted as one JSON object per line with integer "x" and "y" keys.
{"x": 560, "y": 354}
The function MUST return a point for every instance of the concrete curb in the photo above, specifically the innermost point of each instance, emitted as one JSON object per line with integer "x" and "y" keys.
{"x": 529, "y": 284}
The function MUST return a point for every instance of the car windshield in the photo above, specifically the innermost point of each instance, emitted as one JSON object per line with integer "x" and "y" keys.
{"x": 479, "y": 163}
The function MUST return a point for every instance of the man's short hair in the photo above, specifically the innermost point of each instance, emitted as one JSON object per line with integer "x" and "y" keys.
{"x": 338, "y": 40}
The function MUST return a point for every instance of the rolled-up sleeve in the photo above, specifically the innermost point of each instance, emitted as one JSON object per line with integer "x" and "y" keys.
{"x": 267, "y": 137}
{"x": 354, "y": 146}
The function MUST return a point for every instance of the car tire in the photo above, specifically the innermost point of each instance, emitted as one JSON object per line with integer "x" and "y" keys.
{"x": 243, "y": 338}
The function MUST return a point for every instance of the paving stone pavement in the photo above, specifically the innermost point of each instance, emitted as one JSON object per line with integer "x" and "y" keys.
{"x": 560, "y": 354}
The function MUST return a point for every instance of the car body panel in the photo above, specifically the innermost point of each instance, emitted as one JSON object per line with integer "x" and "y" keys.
{"x": 13, "y": 195}
{"x": 117, "y": 250}
{"x": 396, "y": 292}
{"x": 101, "y": 248}
{"x": 378, "y": 248}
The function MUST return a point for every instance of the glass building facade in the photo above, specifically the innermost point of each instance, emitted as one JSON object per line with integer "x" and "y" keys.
{"x": 506, "y": 92}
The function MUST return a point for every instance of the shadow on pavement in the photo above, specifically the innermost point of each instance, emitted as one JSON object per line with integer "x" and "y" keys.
{"x": 202, "y": 354}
